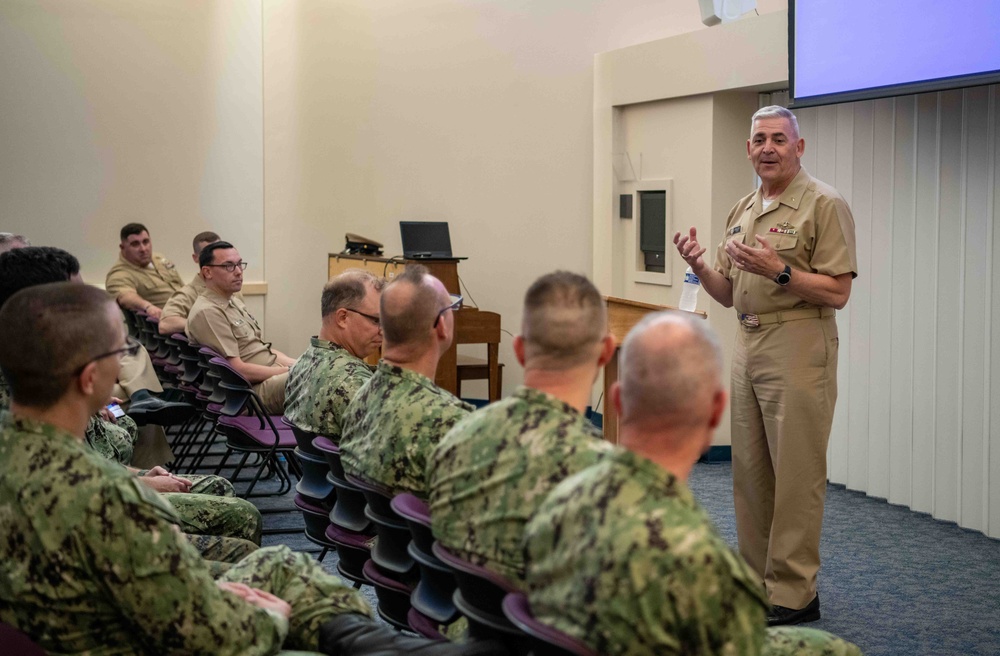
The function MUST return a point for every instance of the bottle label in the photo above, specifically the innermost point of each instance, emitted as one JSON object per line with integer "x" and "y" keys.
{"x": 689, "y": 277}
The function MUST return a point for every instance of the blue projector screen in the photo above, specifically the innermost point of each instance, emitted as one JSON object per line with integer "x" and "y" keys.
{"x": 845, "y": 50}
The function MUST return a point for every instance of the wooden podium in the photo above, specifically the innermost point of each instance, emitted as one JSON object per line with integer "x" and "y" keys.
{"x": 623, "y": 315}
{"x": 472, "y": 326}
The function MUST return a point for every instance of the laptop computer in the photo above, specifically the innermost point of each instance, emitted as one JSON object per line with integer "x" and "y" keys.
{"x": 426, "y": 240}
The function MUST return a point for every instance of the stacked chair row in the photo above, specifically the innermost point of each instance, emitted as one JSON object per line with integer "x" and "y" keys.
{"x": 224, "y": 404}
{"x": 386, "y": 542}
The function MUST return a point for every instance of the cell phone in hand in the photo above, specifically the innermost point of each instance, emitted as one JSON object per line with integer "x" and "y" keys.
{"x": 116, "y": 410}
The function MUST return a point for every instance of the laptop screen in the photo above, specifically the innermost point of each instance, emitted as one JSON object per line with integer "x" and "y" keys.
{"x": 425, "y": 239}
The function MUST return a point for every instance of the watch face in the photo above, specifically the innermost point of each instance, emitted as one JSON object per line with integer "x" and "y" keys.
{"x": 784, "y": 277}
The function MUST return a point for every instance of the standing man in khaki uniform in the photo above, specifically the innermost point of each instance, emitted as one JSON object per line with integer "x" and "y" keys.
{"x": 141, "y": 279}
{"x": 786, "y": 264}
{"x": 221, "y": 321}
{"x": 173, "y": 319}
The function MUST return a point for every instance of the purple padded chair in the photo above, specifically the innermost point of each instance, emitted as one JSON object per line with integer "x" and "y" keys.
{"x": 253, "y": 433}
{"x": 13, "y": 641}
{"x": 479, "y": 597}
{"x": 313, "y": 484}
{"x": 543, "y": 639}
{"x": 432, "y": 597}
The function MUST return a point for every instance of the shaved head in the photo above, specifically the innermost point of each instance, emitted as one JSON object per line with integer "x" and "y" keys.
{"x": 671, "y": 369}
{"x": 564, "y": 317}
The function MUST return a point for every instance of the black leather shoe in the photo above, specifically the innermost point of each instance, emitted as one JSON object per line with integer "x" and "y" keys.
{"x": 357, "y": 635}
{"x": 148, "y": 409}
{"x": 781, "y": 616}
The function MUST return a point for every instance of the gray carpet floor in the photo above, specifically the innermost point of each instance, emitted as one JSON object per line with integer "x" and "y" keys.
{"x": 893, "y": 581}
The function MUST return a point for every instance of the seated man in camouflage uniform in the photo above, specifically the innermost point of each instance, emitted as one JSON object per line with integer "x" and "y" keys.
{"x": 91, "y": 561}
{"x": 327, "y": 376}
{"x": 173, "y": 319}
{"x": 492, "y": 470}
{"x": 222, "y": 527}
{"x": 400, "y": 415}
{"x": 621, "y": 555}
{"x": 220, "y": 320}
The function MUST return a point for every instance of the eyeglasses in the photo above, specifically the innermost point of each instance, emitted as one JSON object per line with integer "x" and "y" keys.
{"x": 131, "y": 348}
{"x": 374, "y": 320}
{"x": 230, "y": 266}
{"x": 456, "y": 304}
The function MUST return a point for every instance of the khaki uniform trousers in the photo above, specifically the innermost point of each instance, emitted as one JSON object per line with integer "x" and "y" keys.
{"x": 784, "y": 387}
{"x": 272, "y": 393}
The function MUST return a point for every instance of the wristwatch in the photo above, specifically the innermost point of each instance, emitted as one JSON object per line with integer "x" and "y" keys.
{"x": 784, "y": 277}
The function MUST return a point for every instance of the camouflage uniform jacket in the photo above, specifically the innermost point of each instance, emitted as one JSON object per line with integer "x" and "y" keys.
{"x": 115, "y": 441}
{"x": 623, "y": 557}
{"x": 320, "y": 386}
{"x": 392, "y": 425}
{"x": 495, "y": 467}
{"x": 90, "y": 560}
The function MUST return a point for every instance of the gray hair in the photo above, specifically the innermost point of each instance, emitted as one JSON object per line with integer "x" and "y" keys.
{"x": 9, "y": 241}
{"x": 775, "y": 111}
{"x": 671, "y": 365}
{"x": 348, "y": 290}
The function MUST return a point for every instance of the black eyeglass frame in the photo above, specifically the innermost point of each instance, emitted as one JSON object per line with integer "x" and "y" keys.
{"x": 456, "y": 304}
{"x": 231, "y": 266}
{"x": 375, "y": 320}
{"x": 131, "y": 347}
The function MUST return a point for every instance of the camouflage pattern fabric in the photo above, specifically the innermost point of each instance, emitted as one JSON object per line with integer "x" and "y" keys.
{"x": 113, "y": 440}
{"x": 623, "y": 557}
{"x": 320, "y": 385}
{"x": 207, "y": 515}
{"x": 495, "y": 467}
{"x": 90, "y": 561}
{"x": 392, "y": 425}
{"x": 222, "y": 527}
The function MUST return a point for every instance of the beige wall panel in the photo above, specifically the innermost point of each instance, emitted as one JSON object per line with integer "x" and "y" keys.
{"x": 479, "y": 114}
{"x": 119, "y": 111}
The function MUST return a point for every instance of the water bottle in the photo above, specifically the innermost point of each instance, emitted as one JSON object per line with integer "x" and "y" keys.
{"x": 689, "y": 295}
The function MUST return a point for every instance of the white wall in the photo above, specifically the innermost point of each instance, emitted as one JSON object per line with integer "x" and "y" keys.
{"x": 478, "y": 113}
{"x": 132, "y": 111}
{"x": 918, "y": 420}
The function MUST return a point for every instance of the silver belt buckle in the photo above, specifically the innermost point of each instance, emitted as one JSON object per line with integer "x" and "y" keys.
{"x": 750, "y": 320}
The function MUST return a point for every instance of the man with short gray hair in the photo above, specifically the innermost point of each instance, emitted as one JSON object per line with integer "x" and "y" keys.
{"x": 325, "y": 378}
{"x": 9, "y": 241}
{"x": 621, "y": 556}
{"x": 400, "y": 415}
{"x": 494, "y": 468}
{"x": 786, "y": 264}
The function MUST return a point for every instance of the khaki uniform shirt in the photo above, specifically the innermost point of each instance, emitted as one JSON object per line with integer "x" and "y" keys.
{"x": 155, "y": 283}
{"x": 809, "y": 225}
{"x": 495, "y": 467}
{"x": 320, "y": 385}
{"x": 183, "y": 299}
{"x": 622, "y": 557}
{"x": 393, "y": 424}
{"x": 226, "y": 326}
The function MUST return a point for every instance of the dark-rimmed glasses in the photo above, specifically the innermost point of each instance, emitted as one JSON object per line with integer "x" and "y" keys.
{"x": 456, "y": 304}
{"x": 375, "y": 320}
{"x": 230, "y": 266}
{"x": 131, "y": 348}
